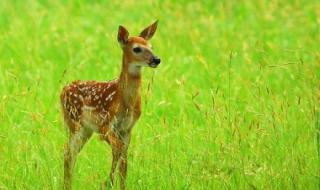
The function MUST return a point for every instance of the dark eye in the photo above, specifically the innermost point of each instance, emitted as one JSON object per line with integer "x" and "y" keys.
{"x": 137, "y": 50}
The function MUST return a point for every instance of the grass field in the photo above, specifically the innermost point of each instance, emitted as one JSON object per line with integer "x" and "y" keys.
{"x": 233, "y": 105}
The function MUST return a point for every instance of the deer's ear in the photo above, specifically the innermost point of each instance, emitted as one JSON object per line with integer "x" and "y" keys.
{"x": 123, "y": 35}
{"x": 148, "y": 32}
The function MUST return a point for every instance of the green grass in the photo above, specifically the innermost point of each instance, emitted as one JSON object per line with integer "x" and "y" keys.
{"x": 233, "y": 105}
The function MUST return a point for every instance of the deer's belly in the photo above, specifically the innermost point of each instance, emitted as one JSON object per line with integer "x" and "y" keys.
{"x": 119, "y": 124}
{"x": 95, "y": 121}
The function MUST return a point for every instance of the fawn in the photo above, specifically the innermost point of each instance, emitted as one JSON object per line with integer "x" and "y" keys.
{"x": 109, "y": 108}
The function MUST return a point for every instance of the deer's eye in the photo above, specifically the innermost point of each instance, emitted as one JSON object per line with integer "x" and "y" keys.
{"x": 137, "y": 50}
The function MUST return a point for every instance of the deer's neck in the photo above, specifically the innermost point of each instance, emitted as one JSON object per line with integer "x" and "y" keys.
{"x": 130, "y": 83}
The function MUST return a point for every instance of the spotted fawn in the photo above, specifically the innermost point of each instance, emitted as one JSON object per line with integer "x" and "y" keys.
{"x": 109, "y": 108}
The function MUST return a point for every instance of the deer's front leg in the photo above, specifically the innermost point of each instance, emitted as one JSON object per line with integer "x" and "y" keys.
{"x": 117, "y": 146}
{"x": 119, "y": 153}
{"x": 123, "y": 168}
{"x": 116, "y": 153}
{"x": 124, "y": 162}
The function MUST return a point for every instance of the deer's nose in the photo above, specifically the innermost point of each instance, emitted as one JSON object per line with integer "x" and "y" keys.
{"x": 156, "y": 60}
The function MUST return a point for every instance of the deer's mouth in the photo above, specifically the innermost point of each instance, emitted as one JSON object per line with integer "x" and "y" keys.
{"x": 153, "y": 65}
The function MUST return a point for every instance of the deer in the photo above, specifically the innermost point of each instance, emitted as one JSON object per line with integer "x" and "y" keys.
{"x": 108, "y": 108}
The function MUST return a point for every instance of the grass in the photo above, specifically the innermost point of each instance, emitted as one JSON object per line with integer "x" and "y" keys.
{"x": 233, "y": 105}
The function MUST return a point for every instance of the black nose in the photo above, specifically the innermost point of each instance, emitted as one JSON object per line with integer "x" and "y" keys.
{"x": 156, "y": 60}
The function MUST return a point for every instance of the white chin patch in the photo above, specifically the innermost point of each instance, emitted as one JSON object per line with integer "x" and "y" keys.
{"x": 153, "y": 65}
{"x": 135, "y": 68}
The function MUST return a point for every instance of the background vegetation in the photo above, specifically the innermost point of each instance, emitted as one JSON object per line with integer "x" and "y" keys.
{"x": 233, "y": 105}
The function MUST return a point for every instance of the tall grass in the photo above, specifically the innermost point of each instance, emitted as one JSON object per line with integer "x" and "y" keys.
{"x": 233, "y": 104}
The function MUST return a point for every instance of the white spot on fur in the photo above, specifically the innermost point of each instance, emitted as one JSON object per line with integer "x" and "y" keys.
{"x": 110, "y": 96}
{"x": 88, "y": 108}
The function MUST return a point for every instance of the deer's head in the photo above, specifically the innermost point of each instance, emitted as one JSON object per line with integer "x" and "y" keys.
{"x": 137, "y": 50}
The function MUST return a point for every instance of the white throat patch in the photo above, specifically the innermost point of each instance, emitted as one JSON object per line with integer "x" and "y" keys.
{"x": 135, "y": 68}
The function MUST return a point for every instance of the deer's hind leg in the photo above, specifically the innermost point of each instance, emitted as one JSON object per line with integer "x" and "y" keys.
{"x": 77, "y": 140}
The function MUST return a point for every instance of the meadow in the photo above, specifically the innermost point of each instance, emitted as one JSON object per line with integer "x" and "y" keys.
{"x": 233, "y": 105}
